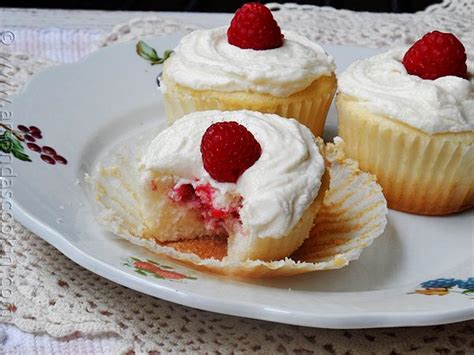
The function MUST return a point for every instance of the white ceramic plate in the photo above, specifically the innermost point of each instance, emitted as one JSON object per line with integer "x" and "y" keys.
{"x": 86, "y": 108}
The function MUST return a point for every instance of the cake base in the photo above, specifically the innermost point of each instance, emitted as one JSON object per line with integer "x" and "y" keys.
{"x": 428, "y": 174}
{"x": 309, "y": 106}
{"x": 168, "y": 221}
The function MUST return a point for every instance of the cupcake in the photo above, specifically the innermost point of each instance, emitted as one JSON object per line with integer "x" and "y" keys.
{"x": 250, "y": 65}
{"x": 240, "y": 192}
{"x": 253, "y": 177}
{"x": 408, "y": 118}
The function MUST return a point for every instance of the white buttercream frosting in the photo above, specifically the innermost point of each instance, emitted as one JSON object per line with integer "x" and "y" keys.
{"x": 276, "y": 190}
{"x": 204, "y": 60}
{"x": 433, "y": 106}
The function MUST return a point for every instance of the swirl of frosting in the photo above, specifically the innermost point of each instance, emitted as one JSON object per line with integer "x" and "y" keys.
{"x": 433, "y": 106}
{"x": 276, "y": 190}
{"x": 204, "y": 60}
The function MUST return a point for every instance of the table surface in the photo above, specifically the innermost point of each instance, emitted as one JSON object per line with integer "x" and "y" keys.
{"x": 88, "y": 27}
{"x": 91, "y": 19}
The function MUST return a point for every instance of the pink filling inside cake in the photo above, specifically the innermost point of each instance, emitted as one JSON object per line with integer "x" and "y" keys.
{"x": 219, "y": 211}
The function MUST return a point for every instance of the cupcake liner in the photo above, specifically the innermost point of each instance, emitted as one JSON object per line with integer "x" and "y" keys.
{"x": 353, "y": 214}
{"x": 309, "y": 106}
{"x": 419, "y": 172}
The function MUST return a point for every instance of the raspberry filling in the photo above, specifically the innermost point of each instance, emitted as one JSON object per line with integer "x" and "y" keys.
{"x": 217, "y": 210}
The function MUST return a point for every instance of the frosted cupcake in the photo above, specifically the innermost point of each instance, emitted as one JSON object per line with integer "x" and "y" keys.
{"x": 251, "y": 65}
{"x": 408, "y": 118}
{"x": 251, "y": 176}
{"x": 240, "y": 192}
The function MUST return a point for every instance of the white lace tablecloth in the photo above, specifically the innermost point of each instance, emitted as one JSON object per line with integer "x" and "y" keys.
{"x": 70, "y": 310}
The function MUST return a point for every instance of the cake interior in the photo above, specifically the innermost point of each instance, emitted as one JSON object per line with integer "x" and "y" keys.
{"x": 180, "y": 210}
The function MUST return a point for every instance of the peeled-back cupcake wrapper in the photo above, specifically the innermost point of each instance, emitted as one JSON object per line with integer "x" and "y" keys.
{"x": 420, "y": 172}
{"x": 353, "y": 215}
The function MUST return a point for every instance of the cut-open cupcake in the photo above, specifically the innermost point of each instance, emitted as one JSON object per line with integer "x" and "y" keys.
{"x": 241, "y": 193}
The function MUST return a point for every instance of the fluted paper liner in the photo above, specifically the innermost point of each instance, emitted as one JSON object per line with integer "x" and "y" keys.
{"x": 353, "y": 215}
{"x": 309, "y": 106}
{"x": 419, "y": 172}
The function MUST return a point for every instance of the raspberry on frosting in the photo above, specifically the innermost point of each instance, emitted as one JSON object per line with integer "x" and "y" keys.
{"x": 228, "y": 149}
{"x": 435, "y": 55}
{"x": 253, "y": 27}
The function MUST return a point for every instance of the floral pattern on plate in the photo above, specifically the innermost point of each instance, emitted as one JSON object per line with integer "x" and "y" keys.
{"x": 150, "y": 54}
{"x": 443, "y": 287}
{"x": 155, "y": 269}
{"x": 14, "y": 141}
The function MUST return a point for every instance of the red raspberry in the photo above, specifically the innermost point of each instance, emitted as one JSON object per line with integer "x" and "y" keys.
{"x": 253, "y": 26}
{"x": 228, "y": 149}
{"x": 435, "y": 55}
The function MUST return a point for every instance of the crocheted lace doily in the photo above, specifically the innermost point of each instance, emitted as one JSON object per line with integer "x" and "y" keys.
{"x": 43, "y": 291}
